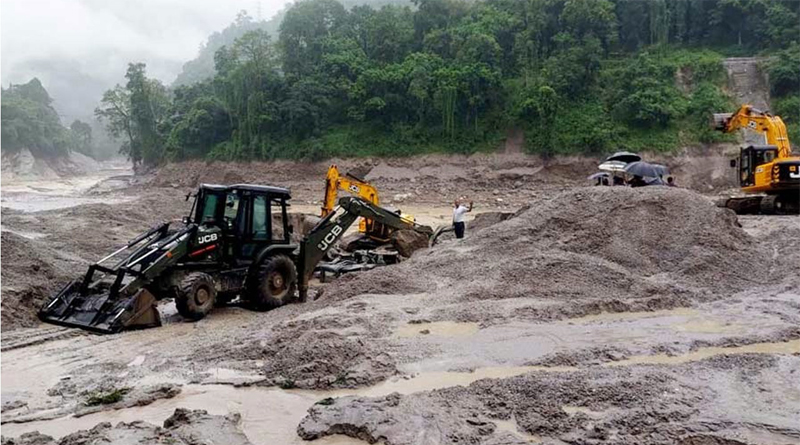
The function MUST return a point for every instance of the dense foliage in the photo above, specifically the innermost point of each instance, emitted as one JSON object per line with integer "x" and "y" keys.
{"x": 455, "y": 75}
{"x": 784, "y": 78}
{"x": 30, "y": 122}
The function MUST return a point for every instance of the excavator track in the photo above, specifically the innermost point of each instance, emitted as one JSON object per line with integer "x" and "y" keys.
{"x": 762, "y": 205}
{"x": 748, "y": 205}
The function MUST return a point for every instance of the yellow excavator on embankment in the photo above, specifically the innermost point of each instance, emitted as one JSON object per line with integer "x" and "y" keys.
{"x": 374, "y": 232}
{"x": 768, "y": 172}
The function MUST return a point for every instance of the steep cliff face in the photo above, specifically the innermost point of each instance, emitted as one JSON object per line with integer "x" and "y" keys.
{"x": 748, "y": 84}
{"x": 747, "y": 81}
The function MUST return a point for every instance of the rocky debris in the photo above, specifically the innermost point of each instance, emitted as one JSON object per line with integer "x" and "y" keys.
{"x": 32, "y": 438}
{"x": 314, "y": 359}
{"x": 98, "y": 387}
{"x": 199, "y": 427}
{"x": 31, "y": 273}
{"x": 653, "y": 247}
{"x": 184, "y": 427}
{"x": 409, "y": 241}
{"x": 129, "y": 397}
{"x": 484, "y": 220}
{"x": 636, "y": 405}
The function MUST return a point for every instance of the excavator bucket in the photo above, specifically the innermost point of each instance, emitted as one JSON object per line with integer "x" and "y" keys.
{"x": 111, "y": 299}
{"x": 101, "y": 311}
{"x": 720, "y": 121}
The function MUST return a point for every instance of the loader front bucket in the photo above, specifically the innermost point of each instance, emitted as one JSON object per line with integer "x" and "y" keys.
{"x": 99, "y": 312}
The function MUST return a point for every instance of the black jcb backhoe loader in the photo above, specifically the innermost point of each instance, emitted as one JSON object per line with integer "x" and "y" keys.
{"x": 231, "y": 245}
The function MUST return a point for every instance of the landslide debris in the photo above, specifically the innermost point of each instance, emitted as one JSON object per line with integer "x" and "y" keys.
{"x": 636, "y": 405}
{"x": 30, "y": 275}
{"x": 590, "y": 249}
{"x": 184, "y": 427}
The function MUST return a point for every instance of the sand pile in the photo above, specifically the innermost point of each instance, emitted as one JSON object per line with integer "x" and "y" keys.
{"x": 586, "y": 244}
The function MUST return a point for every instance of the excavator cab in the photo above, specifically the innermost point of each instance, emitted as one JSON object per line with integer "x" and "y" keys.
{"x": 755, "y": 160}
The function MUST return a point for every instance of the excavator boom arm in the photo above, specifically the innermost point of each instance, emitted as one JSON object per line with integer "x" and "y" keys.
{"x": 334, "y": 181}
{"x": 753, "y": 119}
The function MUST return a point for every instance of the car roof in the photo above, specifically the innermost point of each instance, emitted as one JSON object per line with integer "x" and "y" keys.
{"x": 265, "y": 189}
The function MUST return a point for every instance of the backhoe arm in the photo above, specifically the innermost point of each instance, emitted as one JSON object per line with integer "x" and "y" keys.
{"x": 332, "y": 227}
{"x": 756, "y": 120}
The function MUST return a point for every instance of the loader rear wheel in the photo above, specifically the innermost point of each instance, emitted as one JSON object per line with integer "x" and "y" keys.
{"x": 195, "y": 296}
{"x": 275, "y": 284}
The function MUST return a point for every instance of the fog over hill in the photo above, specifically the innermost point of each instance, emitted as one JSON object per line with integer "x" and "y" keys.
{"x": 80, "y": 48}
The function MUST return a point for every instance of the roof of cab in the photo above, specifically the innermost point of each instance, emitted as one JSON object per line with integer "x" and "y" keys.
{"x": 281, "y": 191}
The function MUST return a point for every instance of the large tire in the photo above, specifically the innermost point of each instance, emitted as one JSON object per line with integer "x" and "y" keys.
{"x": 196, "y": 295}
{"x": 275, "y": 284}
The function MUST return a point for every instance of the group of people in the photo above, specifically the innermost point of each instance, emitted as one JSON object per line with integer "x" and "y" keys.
{"x": 636, "y": 181}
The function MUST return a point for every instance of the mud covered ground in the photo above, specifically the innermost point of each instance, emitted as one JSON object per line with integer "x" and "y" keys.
{"x": 583, "y": 315}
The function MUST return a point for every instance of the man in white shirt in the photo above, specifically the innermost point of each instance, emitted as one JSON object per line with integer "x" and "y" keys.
{"x": 459, "y": 211}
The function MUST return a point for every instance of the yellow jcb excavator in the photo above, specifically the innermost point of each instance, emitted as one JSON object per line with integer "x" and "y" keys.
{"x": 376, "y": 232}
{"x": 768, "y": 171}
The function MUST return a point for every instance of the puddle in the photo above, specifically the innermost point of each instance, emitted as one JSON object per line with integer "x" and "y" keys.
{"x": 789, "y": 347}
{"x": 510, "y": 426}
{"x": 701, "y": 326}
{"x": 620, "y": 316}
{"x": 437, "y": 328}
{"x": 269, "y": 416}
{"x": 427, "y": 381}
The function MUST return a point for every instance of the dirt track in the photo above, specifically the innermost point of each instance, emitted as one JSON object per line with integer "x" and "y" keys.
{"x": 597, "y": 316}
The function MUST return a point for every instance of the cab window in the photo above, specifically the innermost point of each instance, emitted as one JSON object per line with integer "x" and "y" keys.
{"x": 260, "y": 219}
{"x": 278, "y": 234}
{"x": 209, "y": 208}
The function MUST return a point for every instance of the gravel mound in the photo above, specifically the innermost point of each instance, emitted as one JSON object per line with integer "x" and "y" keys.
{"x": 586, "y": 244}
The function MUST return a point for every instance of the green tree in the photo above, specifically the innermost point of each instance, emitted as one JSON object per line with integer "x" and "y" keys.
{"x": 115, "y": 112}
{"x": 82, "y": 132}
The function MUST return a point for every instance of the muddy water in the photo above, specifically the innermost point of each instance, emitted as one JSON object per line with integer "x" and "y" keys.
{"x": 53, "y": 194}
{"x": 789, "y": 347}
{"x": 692, "y": 320}
{"x": 437, "y": 328}
{"x": 511, "y": 427}
{"x": 270, "y": 415}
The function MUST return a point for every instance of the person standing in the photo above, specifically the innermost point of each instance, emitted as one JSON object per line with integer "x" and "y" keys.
{"x": 459, "y": 211}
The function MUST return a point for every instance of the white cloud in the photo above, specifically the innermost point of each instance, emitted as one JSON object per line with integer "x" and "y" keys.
{"x": 99, "y": 34}
{"x": 79, "y": 48}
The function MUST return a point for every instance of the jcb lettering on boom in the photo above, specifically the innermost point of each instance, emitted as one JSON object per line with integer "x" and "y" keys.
{"x": 329, "y": 238}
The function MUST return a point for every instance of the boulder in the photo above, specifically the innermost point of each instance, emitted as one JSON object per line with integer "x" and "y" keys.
{"x": 409, "y": 241}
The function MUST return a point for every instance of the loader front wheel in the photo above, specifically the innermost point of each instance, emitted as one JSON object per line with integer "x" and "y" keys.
{"x": 195, "y": 296}
{"x": 275, "y": 284}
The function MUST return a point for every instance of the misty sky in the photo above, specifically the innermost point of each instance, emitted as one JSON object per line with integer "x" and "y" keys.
{"x": 78, "y": 48}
